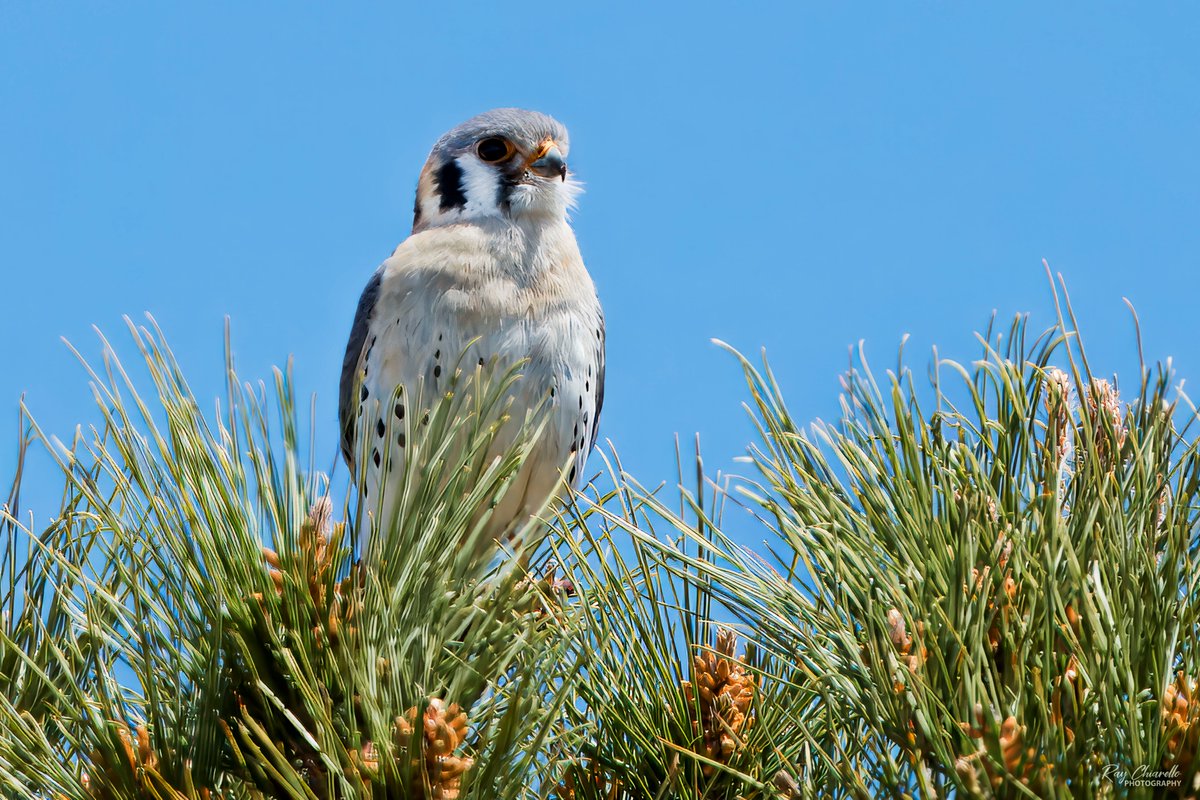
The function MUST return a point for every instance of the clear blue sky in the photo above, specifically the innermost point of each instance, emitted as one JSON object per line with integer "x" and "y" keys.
{"x": 797, "y": 176}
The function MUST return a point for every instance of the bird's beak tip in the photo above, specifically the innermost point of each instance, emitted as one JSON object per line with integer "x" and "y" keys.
{"x": 548, "y": 161}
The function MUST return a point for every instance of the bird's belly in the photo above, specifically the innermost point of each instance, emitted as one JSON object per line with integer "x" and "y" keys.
{"x": 428, "y": 354}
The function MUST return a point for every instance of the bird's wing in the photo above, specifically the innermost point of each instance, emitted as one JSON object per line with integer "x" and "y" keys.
{"x": 599, "y": 384}
{"x": 352, "y": 366}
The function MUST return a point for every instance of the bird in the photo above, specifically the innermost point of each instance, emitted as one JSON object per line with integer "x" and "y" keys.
{"x": 491, "y": 274}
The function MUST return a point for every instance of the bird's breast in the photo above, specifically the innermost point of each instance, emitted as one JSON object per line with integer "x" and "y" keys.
{"x": 457, "y": 299}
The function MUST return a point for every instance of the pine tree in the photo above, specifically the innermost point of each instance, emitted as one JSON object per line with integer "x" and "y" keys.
{"x": 987, "y": 587}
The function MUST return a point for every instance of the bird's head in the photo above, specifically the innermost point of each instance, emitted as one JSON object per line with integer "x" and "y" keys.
{"x": 506, "y": 163}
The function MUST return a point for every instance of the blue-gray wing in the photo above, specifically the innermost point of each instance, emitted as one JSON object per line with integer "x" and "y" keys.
{"x": 352, "y": 373}
{"x": 599, "y": 390}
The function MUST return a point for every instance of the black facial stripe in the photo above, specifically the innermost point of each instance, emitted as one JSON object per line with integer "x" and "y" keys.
{"x": 450, "y": 189}
{"x": 417, "y": 211}
{"x": 504, "y": 190}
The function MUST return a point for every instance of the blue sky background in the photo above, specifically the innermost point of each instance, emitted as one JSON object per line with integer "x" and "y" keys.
{"x": 796, "y": 176}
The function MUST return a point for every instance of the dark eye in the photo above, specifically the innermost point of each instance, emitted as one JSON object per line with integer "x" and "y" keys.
{"x": 493, "y": 149}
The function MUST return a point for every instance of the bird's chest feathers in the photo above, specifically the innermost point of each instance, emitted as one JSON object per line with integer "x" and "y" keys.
{"x": 489, "y": 277}
{"x": 481, "y": 295}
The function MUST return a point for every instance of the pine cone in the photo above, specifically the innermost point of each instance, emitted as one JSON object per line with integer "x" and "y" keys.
{"x": 913, "y": 657}
{"x": 723, "y": 693}
{"x": 1104, "y": 410}
{"x": 444, "y": 729}
{"x": 1058, "y": 420}
{"x": 1181, "y": 723}
{"x": 1019, "y": 762}
{"x": 138, "y": 755}
{"x": 316, "y": 542}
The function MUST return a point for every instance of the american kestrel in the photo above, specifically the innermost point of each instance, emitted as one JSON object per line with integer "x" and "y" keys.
{"x": 491, "y": 274}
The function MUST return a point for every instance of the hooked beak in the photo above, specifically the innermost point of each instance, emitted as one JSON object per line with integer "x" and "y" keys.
{"x": 548, "y": 161}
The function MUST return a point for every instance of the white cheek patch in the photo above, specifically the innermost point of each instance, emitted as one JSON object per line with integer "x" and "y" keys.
{"x": 429, "y": 206}
{"x": 481, "y": 185}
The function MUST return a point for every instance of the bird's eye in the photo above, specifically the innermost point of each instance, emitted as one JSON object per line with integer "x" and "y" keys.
{"x": 494, "y": 149}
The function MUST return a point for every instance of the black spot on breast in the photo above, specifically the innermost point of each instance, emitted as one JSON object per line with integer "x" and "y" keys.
{"x": 380, "y": 428}
{"x": 437, "y": 370}
{"x": 481, "y": 361}
{"x": 399, "y": 410}
{"x": 552, "y": 391}
{"x": 364, "y": 394}
{"x": 587, "y": 386}
{"x": 450, "y": 190}
{"x": 375, "y": 457}
{"x": 437, "y": 353}
{"x": 400, "y": 439}
{"x": 581, "y": 402}
{"x": 571, "y": 476}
